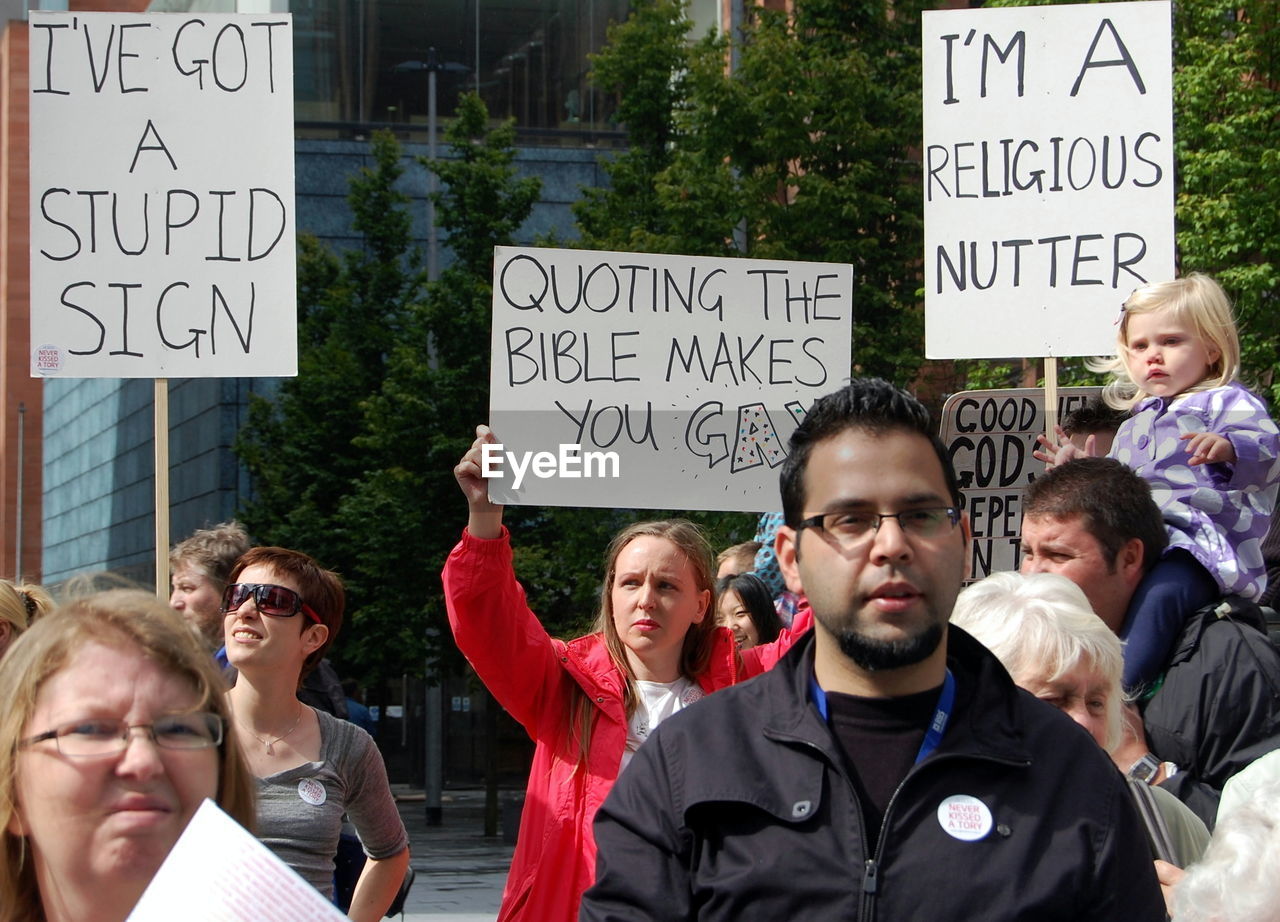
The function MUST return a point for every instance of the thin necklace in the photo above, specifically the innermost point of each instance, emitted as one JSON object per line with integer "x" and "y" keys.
{"x": 268, "y": 743}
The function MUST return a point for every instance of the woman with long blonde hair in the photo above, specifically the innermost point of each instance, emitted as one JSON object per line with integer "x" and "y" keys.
{"x": 114, "y": 731}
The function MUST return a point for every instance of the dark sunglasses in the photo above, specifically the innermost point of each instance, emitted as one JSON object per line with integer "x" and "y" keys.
{"x": 276, "y": 601}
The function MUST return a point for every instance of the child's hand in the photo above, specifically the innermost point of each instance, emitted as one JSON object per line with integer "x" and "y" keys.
{"x": 1062, "y": 450}
{"x": 1208, "y": 448}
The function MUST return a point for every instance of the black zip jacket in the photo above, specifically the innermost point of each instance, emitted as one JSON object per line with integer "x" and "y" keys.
{"x": 1218, "y": 707}
{"x": 739, "y": 808}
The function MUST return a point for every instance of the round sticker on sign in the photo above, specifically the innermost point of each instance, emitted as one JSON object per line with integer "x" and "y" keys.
{"x": 46, "y": 359}
{"x": 312, "y": 791}
{"x": 965, "y": 818}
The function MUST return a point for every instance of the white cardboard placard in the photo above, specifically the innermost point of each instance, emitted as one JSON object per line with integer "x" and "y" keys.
{"x": 990, "y": 436}
{"x": 693, "y": 371}
{"x": 1048, "y": 174}
{"x": 218, "y": 872}
{"x": 162, "y": 195}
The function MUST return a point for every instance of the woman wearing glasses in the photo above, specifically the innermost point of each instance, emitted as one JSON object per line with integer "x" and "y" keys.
{"x": 282, "y": 611}
{"x": 113, "y": 732}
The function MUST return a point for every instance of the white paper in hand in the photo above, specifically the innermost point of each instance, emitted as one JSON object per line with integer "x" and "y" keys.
{"x": 218, "y": 872}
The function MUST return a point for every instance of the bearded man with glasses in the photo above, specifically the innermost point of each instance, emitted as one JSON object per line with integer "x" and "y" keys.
{"x": 887, "y": 768}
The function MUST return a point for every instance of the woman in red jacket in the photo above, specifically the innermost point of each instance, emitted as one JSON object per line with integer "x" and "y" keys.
{"x": 590, "y": 702}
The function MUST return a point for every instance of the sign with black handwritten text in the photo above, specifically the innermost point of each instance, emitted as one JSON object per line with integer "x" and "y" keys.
{"x": 1048, "y": 174}
{"x": 655, "y": 381}
{"x": 162, "y": 195}
{"x": 990, "y": 436}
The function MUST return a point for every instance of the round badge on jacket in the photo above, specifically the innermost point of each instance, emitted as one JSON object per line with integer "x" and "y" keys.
{"x": 964, "y": 817}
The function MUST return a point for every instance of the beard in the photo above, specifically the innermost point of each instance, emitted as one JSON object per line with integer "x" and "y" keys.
{"x": 882, "y": 655}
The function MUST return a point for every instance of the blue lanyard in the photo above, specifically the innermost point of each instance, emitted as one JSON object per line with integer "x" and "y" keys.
{"x": 937, "y": 726}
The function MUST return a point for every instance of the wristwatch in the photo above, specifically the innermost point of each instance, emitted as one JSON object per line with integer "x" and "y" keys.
{"x": 1145, "y": 769}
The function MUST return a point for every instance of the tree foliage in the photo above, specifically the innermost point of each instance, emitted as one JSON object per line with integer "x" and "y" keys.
{"x": 1227, "y": 136}
{"x": 404, "y": 511}
{"x": 299, "y": 448}
{"x": 352, "y": 460}
{"x": 801, "y": 150}
{"x": 644, "y": 63}
{"x": 804, "y": 149}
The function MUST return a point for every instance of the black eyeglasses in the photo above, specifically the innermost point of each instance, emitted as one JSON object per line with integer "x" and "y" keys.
{"x": 105, "y": 736}
{"x": 850, "y": 529}
{"x": 276, "y": 601}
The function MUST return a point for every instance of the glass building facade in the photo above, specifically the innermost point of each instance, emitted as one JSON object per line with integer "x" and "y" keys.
{"x": 363, "y": 63}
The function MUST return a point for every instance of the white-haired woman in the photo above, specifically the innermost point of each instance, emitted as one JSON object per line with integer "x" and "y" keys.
{"x": 1040, "y": 626}
{"x": 1236, "y": 879}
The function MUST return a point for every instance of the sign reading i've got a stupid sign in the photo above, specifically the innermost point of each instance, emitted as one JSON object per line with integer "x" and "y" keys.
{"x": 162, "y": 196}
{"x": 657, "y": 381}
{"x": 1048, "y": 174}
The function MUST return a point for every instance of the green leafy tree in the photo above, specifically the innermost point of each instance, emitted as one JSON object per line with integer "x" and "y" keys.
{"x": 404, "y": 511}
{"x": 299, "y": 447}
{"x": 1227, "y": 136}
{"x": 644, "y": 63}
{"x": 801, "y": 151}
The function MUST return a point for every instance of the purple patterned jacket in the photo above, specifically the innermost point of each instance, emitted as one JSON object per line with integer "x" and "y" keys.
{"x": 1218, "y": 512}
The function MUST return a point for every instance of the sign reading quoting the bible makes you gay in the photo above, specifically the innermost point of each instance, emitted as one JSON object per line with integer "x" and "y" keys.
{"x": 657, "y": 381}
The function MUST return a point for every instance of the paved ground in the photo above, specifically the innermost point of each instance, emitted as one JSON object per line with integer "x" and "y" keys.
{"x": 460, "y": 873}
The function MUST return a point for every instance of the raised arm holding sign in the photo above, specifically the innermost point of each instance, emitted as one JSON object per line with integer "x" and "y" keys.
{"x": 587, "y": 703}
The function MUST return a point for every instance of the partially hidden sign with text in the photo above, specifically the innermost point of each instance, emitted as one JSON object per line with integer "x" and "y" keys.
{"x": 990, "y": 436}
{"x": 656, "y": 381}
{"x": 1048, "y": 174}
{"x": 162, "y": 195}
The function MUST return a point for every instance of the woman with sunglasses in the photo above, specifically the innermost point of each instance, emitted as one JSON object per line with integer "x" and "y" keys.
{"x": 114, "y": 730}
{"x": 282, "y": 611}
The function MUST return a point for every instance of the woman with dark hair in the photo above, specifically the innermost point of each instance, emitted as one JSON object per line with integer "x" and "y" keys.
{"x": 746, "y": 608}
{"x": 282, "y": 611}
{"x": 114, "y": 731}
{"x": 590, "y": 702}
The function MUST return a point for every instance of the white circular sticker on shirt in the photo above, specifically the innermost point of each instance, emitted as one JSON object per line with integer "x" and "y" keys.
{"x": 964, "y": 817}
{"x": 312, "y": 791}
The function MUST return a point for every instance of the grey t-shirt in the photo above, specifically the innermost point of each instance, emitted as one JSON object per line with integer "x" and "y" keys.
{"x": 300, "y": 810}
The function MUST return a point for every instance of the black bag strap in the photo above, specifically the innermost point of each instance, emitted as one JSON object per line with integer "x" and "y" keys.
{"x": 1157, "y": 830}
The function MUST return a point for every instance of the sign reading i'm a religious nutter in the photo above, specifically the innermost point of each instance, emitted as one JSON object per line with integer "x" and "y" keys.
{"x": 1048, "y": 174}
